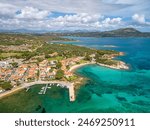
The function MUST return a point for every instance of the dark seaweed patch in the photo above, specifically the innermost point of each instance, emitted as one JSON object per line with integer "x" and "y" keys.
{"x": 121, "y": 98}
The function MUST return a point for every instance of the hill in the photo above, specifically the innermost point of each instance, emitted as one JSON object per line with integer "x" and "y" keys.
{"x": 123, "y": 32}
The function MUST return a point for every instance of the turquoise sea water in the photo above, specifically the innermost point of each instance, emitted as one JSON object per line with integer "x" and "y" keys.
{"x": 106, "y": 90}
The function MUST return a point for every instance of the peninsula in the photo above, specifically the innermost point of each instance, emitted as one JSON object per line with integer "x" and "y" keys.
{"x": 27, "y": 59}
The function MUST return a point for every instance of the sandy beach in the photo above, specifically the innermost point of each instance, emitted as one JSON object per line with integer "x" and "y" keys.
{"x": 121, "y": 65}
{"x": 73, "y": 68}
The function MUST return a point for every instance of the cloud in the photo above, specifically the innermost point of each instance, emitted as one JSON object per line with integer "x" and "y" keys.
{"x": 86, "y": 21}
{"x": 76, "y": 21}
{"x": 66, "y": 22}
{"x": 67, "y": 6}
{"x": 113, "y": 21}
{"x": 81, "y": 18}
{"x": 73, "y": 15}
{"x": 32, "y": 13}
{"x": 7, "y": 10}
{"x": 140, "y": 19}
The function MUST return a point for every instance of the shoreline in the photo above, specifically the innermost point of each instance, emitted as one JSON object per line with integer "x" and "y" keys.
{"x": 73, "y": 68}
{"x": 69, "y": 85}
{"x": 122, "y": 66}
{"x": 26, "y": 85}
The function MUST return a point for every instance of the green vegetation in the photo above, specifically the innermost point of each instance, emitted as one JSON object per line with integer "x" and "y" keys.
{"x": 58, "y": 58}
{"x": 59, "y": 74}
{"x": 58, "y": 65}
{"x": 68, "y": 51}
{"x": 88, "y": 58}
{"x": 38, "y": 73}
{"x": 28, "y": 39}
{"x": 72, "y": 78}
{"x": 14, "y": 64}
{"x": 34, "y": 46}
{"x": 106, "y": 61}
{"x": 27, "y": 55}
{"x": 52, "y": 37}
{"x": 18, "y": 39}
{"x": 6, "y": 85}
{"x": 6, "y": 55}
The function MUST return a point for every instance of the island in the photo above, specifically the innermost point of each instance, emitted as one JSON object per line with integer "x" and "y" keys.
{"x": 28, "y": 59}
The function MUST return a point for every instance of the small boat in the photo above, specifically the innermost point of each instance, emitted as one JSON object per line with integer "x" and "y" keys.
{"x": 40, "y": 93}
{"x": 63, "y": 86}
{"x": 27, "y": 89}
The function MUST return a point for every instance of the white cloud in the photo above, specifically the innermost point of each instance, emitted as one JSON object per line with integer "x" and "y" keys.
{"x": 88, "y": 14}
{"x": 7, "y": 10}
{"x": 32, "y": 13}
{"x": 140, "y": 19}
{"x": 77, "y": 21}
{"x": 70, "y": 6}
{"x": 109, "y": 23}
{"x": 112, "y": 21}
{"x": 81, "y": 18}
{"x": 67, "y": 22}
{"x": 86, "y": 21}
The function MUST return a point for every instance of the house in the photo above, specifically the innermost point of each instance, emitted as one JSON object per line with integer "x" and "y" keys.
{"x": 53, "y": 54}
{"x": 4, "y": 64}
{"x": 53, "y": 63}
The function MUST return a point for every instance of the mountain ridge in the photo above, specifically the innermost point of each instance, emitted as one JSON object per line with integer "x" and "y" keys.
{"x": 122, "y": 32}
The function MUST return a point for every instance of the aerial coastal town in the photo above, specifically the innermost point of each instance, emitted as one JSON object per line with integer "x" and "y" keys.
{"x": 32, "y": 72}
{"x": 32, "y": 60}
{"x": 45, "y": 70}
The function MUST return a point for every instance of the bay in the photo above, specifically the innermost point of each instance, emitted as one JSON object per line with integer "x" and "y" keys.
{"x": 106, "y": 90}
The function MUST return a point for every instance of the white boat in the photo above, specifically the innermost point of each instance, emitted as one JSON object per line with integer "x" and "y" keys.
{"x": 40, "y": 93}
{"x": 27, "y": 89}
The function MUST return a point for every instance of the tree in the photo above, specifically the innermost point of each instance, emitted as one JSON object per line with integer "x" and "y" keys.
{"x": 58, "y": 66}
{"x": 47, "y": 56}
{"x": 15, "y": 64}
{"x": 87, "y": 57}
{"x": 38, "y": 73}
{"x": 6, "y": 85}
{"x": 59, "y": 74}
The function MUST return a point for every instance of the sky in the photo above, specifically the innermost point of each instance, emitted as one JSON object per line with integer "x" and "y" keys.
{"x": 91, "y": 15}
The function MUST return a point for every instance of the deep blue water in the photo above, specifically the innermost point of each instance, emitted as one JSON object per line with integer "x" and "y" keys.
{"x": 137, "y": 50}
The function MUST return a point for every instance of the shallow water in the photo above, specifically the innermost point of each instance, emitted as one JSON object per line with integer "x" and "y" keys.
{"x": 106, "y": 90}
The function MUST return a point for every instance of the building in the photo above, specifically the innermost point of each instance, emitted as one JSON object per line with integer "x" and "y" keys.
{"x": 4, "y": 64}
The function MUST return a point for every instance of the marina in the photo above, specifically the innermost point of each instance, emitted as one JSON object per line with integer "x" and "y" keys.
{"x": 48, "y": 86}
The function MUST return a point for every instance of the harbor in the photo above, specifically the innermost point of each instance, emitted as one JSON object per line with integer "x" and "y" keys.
{"x": 47, "y": 85}
{"x": 70, "y": 87}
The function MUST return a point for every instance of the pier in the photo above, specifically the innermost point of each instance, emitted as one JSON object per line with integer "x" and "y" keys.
{"x": 45, "y": 89}
{"x": 72, "y": 93}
